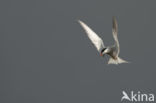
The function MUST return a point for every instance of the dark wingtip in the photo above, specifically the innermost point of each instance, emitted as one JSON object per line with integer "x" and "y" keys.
{"x": 114, "y": 18}
{"x": 115, "y": 26}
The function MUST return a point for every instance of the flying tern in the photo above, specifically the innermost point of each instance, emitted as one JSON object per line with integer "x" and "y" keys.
{"x": 113, "y": 51}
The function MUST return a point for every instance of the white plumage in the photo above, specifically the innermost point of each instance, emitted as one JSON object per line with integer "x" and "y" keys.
{"x": 113, "y": 51}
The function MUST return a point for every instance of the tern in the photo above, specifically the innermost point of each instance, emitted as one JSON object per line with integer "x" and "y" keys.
{"x": 113, "y": 51}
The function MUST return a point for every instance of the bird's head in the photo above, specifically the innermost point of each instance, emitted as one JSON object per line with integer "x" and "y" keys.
{"x": 104, "y": 51}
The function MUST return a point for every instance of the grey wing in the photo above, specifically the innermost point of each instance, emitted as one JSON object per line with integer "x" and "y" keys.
{"x": 115, "y": 34}
{"x": 95, "y": 39}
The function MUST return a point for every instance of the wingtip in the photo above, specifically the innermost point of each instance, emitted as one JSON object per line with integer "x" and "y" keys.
{"x": 114, "y": 17}
{"x": 79, "y": 21}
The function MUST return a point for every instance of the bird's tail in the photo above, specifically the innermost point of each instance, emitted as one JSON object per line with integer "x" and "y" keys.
{"x": 116, "y": 61}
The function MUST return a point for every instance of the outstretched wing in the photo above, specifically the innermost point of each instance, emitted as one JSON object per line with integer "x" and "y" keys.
{"x": 95, "y": 39}
{"x": 115, "y": 34}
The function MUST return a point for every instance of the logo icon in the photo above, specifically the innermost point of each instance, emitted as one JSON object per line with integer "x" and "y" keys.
{"x": 125, "y": 96}
{"x": 137, "y": 96}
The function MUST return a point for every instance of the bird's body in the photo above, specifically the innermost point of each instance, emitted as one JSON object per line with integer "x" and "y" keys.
{"x": 113, "y": 51}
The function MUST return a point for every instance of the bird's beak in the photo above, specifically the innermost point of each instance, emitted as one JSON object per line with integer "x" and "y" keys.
{"x": 101, "y": 54}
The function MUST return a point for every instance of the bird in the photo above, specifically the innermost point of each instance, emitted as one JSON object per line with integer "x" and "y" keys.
{"x": 113, "y": 50}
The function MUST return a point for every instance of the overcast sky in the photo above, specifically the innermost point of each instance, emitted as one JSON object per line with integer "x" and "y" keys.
{"x": 46, "y": 57}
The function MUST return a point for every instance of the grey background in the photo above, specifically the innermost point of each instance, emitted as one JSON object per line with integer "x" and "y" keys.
{"x": 46, "y": 57}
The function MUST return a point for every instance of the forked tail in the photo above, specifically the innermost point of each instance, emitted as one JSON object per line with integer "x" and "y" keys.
{"x": 116, "y": 61}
